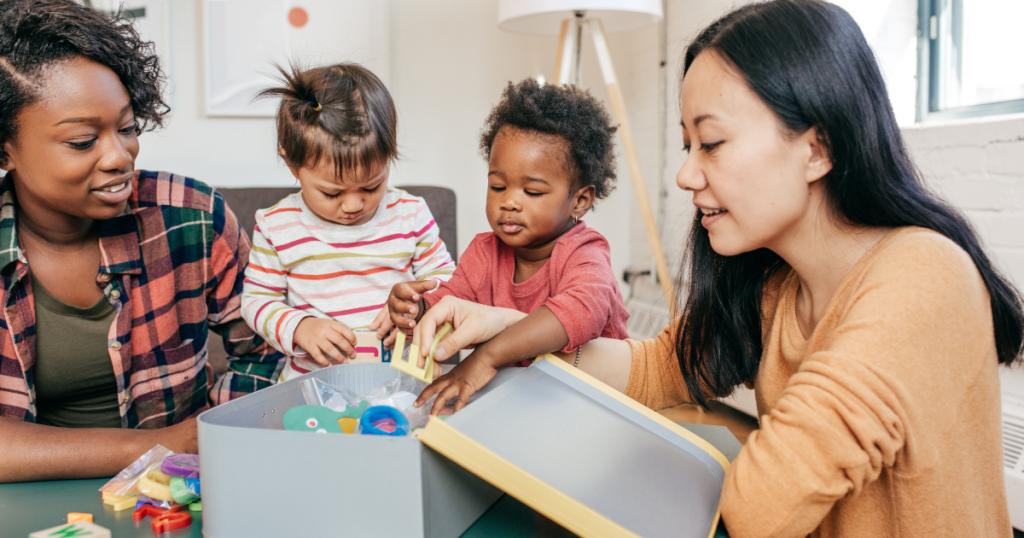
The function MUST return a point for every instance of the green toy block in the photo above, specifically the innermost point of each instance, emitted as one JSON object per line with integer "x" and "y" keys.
{"x": 84, "y": 529}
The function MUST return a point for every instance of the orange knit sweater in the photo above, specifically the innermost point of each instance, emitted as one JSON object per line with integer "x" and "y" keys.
{"x": 884, "y": 422}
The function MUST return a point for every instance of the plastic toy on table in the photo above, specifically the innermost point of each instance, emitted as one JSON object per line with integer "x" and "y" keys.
{"x": 168, "y": 520}
{"x": 118, "y": 503}
{"x": 78, "y": 528}
{"x": 126, "y": 482}
{"x": 155, "y": 485}
{"x": 183, "y": 465}
{"x": 182, "y": 491}
{"x": 408, "y": 363}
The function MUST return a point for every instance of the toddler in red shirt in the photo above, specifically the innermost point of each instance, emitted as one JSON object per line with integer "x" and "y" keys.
{"x": 550, "y": 154}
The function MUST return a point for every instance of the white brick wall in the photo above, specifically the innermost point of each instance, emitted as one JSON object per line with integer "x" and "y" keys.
{"x": 978, "y": 166}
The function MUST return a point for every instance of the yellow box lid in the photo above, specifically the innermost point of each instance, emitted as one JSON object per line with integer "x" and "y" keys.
{"x": 586, "y": 456}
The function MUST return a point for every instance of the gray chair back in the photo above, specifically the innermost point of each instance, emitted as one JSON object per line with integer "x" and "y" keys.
{"x": 440, "y": 200}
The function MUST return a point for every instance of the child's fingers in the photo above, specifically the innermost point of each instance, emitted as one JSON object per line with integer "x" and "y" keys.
{"x": 412, "y": 291}
{"x": 449, "y": 392}
{"x": 403, "y": 307}
{"x": 330, "y": 349}
{"x": 318, "y": 357}
{"x": 340, "y": 347}
{"x": 379, "y": 320}
{"x": 462, "y": 398}
{"x": 343, "y": 330}
{"x": 389, "y": 340}
{"x": 431, "y": 390}
{"x": 405, "y": 293}
{"x": 385, "y": 328}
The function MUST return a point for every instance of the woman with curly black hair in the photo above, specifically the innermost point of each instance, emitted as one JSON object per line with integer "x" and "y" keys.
{"x": 550, "y": 155}
{"x": 110, "y": 276}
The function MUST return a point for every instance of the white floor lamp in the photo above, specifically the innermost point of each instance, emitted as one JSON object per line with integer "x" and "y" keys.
{"x": 543, "y": 17}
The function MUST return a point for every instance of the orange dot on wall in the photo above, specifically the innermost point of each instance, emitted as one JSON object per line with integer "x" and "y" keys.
{"x": 298, "y": 17}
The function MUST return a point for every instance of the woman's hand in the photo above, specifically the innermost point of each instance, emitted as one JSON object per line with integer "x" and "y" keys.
{"x": 327, "y": 341}
{"x": 472, "y": 323}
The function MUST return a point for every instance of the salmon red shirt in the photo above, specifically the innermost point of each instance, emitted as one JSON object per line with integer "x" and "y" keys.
{"x": 577, "y": 284}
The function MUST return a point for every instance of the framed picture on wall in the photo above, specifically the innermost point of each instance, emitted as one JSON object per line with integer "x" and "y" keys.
{"x": 244, "y": 41}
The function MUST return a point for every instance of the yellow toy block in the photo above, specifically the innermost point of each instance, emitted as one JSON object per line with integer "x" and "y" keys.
{"x": 119, "y": 503}
{"x": 79, "y": 516}
{"x": 78, "y": 528}
{"x": 425, "y": 374}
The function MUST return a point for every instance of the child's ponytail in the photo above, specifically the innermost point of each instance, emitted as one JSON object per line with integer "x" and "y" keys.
{"x": 341, "y": 112}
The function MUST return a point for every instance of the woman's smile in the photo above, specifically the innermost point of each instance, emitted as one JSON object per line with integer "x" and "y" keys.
{"x": 116, "y": 191}
{"x": 711, "y": 216}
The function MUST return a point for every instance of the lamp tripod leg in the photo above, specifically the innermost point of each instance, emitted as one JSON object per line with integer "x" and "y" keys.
{"x": 566, "y": 52}
{"x": 604, "y": 58}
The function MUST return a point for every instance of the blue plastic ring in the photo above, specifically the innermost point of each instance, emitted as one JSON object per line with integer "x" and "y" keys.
{"x": 379, "y": 412}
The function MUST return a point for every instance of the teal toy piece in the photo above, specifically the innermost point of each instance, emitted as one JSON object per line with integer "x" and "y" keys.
{"x": 355, "y": 412}
{"x": 312, "y": 418}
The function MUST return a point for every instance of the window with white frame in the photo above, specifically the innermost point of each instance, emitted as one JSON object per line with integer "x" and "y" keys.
{"x": 970, "y": 58}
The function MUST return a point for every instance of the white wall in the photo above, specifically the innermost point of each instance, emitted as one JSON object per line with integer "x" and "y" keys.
{"x": 447, "y": 63}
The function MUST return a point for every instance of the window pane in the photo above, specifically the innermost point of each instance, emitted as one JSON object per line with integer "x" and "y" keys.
{"x": 983, "y": 46}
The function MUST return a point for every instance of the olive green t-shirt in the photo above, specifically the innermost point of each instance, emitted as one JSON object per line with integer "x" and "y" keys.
{"x": 74, "y": 376}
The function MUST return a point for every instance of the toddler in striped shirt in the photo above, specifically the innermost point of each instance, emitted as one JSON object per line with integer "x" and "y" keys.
{"x": 324, "y": 259}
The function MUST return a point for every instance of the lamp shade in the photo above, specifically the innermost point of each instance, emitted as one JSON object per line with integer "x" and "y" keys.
{"x": 544, "y": 17}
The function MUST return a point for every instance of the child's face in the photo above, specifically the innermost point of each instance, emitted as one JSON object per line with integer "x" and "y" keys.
{"x": 530, "y": 200}
{"x": 349, "y": 201}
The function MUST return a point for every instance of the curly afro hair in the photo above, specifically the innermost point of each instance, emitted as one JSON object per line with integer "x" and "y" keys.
{"x": 37, "y": 34}
{"x": 567, "y": 112}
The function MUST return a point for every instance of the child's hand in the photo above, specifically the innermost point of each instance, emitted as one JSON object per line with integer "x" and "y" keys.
{"x": 462, "y": 382}
{"x": 327, "y": 341}
{"x": 404, "y": 302}
{"x": 383, "y": 325}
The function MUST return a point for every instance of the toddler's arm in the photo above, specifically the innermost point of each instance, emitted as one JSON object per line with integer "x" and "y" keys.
{"x": 430, "y": 258}
{"x": 263, "y": 295}
{"x": 536, "y": 334}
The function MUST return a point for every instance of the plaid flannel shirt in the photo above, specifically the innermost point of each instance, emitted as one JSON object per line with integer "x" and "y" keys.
{"x": 172, "y": 266}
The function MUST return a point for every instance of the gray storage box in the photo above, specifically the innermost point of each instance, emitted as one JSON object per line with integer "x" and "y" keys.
{"x": 259, "y": 480}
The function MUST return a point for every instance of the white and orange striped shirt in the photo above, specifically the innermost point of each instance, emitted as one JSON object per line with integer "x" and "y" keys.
{"x": 302, "y": 265}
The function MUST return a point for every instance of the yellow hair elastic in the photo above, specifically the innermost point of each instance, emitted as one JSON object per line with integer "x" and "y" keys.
{"x": 318, "y": 107}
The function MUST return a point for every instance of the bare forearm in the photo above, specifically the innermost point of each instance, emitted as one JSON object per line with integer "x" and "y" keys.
{"x": 606, "y": 359}
{"x": 536, "y": 334}
{"x": 35, "y": 452}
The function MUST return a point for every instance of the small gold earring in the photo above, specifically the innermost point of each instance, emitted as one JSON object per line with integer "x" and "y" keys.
{"x": 575, "y": 219}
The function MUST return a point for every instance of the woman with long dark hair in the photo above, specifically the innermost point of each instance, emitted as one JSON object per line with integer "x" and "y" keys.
{"x": 860, "y": 307}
